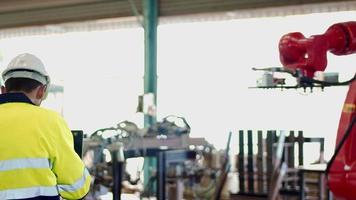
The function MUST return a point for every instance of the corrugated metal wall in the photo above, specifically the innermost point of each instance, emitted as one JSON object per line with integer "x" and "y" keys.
{"x": 266, "y": 12}
{"x": 127, "y": 22}
{"x": 15, "y": 13}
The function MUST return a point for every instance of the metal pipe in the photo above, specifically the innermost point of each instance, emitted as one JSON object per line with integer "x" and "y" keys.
{"x": 118, "y": 160}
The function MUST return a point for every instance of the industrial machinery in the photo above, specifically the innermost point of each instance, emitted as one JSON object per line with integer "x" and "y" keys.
{"x": 302, "y": 58}
{"x": 172, "y": 133}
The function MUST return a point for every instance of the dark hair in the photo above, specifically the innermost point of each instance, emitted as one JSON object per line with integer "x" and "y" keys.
{"x": 21, "y": 84}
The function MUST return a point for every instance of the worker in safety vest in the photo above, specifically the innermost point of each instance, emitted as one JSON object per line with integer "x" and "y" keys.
{"x": 37, "y": 158}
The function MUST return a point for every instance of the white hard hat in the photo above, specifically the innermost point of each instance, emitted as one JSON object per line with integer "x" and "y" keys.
{"x": 26, "y": 66}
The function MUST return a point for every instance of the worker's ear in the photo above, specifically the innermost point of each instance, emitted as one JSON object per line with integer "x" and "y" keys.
{"x": 41, "y": 92}
{"x": 3, "y": 90}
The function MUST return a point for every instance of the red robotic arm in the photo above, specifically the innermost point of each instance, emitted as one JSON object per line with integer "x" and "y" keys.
{"x": 309, "y": 55}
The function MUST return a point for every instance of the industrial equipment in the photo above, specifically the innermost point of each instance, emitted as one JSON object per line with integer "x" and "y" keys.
{"x": 169, "y": 135}
{"x": 302, "y": 58}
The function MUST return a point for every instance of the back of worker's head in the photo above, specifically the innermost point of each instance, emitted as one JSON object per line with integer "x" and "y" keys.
{"x": 26, "y": 74}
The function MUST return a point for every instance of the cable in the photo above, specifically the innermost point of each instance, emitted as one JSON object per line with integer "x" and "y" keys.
{"x": 325, "y": 83}
{"x": 341, "y": 143}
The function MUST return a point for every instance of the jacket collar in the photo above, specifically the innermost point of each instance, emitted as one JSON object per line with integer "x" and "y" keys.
{"x": 14, "y": 98}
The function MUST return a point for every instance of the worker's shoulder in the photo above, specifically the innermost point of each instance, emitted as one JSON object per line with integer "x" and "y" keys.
{"x": 47, "y": 113}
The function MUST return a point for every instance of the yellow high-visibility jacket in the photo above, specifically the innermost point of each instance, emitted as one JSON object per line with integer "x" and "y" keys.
{"x": 37, "y": 158}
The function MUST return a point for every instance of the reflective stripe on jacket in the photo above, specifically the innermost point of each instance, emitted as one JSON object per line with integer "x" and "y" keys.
{"x": 37, "y": 156}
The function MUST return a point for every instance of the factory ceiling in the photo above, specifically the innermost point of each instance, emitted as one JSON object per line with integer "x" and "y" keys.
{"x": 20, "y": 13}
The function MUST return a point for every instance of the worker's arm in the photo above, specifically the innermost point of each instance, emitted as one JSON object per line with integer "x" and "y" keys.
{"x": 73, "y": 179}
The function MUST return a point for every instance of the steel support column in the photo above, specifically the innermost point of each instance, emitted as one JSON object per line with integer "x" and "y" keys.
{"x": 150, "y": 8}
{"x": 150, "y": 12}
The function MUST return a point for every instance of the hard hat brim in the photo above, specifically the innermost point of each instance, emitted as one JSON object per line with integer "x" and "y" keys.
{"x": 26, "y": 74}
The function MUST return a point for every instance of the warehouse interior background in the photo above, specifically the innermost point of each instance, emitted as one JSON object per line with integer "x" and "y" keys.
{"x": 204, "y": 70}
{"x": 204, "y": 75}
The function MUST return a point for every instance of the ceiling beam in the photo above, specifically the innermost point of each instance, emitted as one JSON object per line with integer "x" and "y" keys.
{"x": 20, "y": 13}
